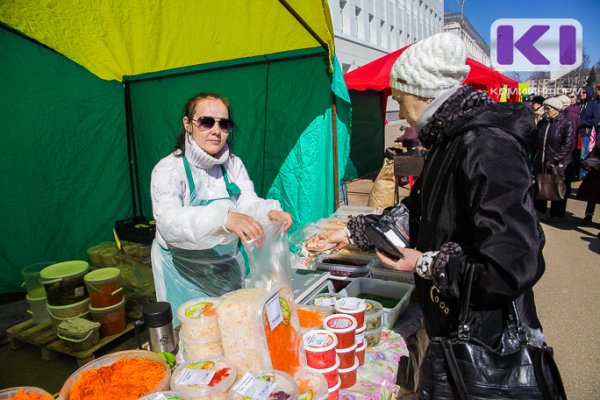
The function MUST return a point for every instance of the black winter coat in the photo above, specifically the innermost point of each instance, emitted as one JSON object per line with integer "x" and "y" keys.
{"x": 476, "y": 190}
{"x": 559, "y": 143}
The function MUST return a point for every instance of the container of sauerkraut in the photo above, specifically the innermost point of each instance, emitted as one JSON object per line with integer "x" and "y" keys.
{"x": 198, "y": 318}
{"x": 204, "y": 378}
{"x": 264, "y": 384}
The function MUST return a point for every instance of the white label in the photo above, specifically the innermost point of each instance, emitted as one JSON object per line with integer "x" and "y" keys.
{"x": 325, "y": 301}
{"x": 195, "y": 377}
{"x": 274, "y": 311}
{"x": 257, "y": 389}
{"x": 350, "y": 303}
{"x": 394, "y": 238}
{"x": 79, "y": 291}
{"x": 317, "y": 340}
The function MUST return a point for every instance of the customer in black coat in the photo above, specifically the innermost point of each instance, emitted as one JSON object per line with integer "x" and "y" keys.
{"x": 555, "y": 144}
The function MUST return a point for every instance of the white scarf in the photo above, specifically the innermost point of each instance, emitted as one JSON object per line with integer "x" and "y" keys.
{"x": 201, "y": 159}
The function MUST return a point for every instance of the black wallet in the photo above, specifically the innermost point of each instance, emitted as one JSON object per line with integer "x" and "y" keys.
{"x": 390, "y": 231}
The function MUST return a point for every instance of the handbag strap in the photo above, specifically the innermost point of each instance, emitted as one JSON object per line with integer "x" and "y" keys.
{"x": 543, "y": 360}
{"x": 464, "y": 329}
{"x": 459, "y": 382}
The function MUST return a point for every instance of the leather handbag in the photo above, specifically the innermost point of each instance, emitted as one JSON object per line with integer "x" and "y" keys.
{"x": 461, "y": 367}
{"x": 550, "y": 186}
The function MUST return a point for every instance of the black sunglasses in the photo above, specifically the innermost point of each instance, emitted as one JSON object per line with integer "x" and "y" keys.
{"x": 225, "y": 124}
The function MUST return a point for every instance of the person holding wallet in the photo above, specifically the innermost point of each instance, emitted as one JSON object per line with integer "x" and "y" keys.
{"x": 471, "y": 206}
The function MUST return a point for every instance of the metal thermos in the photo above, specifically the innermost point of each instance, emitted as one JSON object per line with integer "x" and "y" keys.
{"x": 158, "y": 319}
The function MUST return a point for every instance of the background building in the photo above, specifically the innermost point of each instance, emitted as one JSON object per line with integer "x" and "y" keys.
{"x": 477, "y": 48}
{"x": 366, "y": 30}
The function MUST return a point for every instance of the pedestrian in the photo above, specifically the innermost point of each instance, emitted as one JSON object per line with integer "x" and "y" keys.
{"x": 589, "y": 120}
{"x": 554, "y": 152}
{"x": 589, "y": 190}
{"x": 536, "y": 104}
{"x": 204, "y": 202}
{"x": 472, "y": 204}
{"x": 572, "y": 110}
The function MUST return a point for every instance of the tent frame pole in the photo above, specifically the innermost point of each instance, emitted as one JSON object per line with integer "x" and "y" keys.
{"x": 336, "y": 191}
{"x": 298, "y": 18}
{"x": 134, "y": 177}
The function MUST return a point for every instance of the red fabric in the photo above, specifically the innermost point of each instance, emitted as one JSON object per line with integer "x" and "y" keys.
{"x": 376, "y": 76}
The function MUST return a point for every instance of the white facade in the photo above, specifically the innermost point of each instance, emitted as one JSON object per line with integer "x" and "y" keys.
{"x": 477, "y": 48}
{"x": 366, "y": 30}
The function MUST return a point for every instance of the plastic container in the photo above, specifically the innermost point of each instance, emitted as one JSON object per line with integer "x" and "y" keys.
{"x": 373, "y": 336}
{"x": 346, "y": 356}
{"x": 79, "y": 334}
{"x": 347, "y": 210}
{"x": 330, "y": 374}
{"x": 311, "y": 317}
{"x": 345, "y": 265}
{"x": 31, "y": 278}
{"x": 9, "y": 393}
{"x": 334, "y": 392}
{"x": 207, "y": 378}
{"x": 37, "y": 310}
{"x": 348, "y": 375}
{"x": 373, "y": 314}
{"x": 63, "y": 282}
{"x": 94, "y": 253}
{"x": 344, "y": 327}
{"x": 198, "y": 318}
{"x": 380, "y": 271}
{"x": 352, "y": 306}
{"x": 360, "y": 353}
{"x": 285, "y": 387}
{"x": 359, "y": 336}
{"x": 312, "y": 386}
{"x": 111, "y": 257}
{"x": 326, "y": 300}
{"x": 59, "y": 314}
{"x": 203, "y": 347}
{"x": 166, "y": 395}
{"x": 320, "y": 345}
{"x": 110, "y": 359}
{"x": 397, "y": 293}
{"x": 112, "y": 319}
{"x": 104, "y": 287}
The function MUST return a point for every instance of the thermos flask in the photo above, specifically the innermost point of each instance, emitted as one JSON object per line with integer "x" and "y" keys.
{"x": 158, "y": 320}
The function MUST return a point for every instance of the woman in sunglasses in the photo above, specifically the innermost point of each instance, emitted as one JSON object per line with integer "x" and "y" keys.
{"x": 204, "y": 202}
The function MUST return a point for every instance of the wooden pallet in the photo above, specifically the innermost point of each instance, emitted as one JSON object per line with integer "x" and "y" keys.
{"x": 44, "y": 337}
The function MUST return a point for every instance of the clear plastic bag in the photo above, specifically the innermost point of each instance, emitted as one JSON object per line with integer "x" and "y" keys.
{"x": 269, "y": 257}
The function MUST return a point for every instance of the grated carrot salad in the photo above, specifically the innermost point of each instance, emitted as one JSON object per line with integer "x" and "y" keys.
{"x": 22, "y": 395}
{"x": 126, "y": 379}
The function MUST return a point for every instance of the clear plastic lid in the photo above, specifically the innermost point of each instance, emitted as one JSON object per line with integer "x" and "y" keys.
{"x": 319, "y": 341}
{"x": 264, "y": 385}
{"x": 9, "y": 393}
{"x": 204, "y": 376}
{"x": 197, "y": 310}
{"x": 311, "y": 386}
{"x": 352, "y": 305}
{"x": 373, "y": 309}
{"x": 167, "y": 395}
{"x": 327, "y": 300}
{"x": 340, "y": 323}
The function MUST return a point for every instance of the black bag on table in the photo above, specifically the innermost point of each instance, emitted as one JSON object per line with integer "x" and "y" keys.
{"x": 461, "y": 367}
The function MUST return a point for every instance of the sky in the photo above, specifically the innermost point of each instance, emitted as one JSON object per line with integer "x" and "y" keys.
{"x": 482, "y": 14}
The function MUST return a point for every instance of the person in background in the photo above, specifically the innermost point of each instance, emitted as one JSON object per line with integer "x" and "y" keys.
{"x": 203, "y": 202}
{"x": 538, "y": 111}
{"x": 472, "y": 204}
{"x": 572, "y": 111}
{"x": 589, "y": 190}
{"x": 555, "y": 147}
{"x": 589, "y": 118}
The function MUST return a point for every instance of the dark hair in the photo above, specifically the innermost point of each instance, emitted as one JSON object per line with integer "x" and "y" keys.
{"x": 188, "y": 111}
{"x": 537, "y": 99}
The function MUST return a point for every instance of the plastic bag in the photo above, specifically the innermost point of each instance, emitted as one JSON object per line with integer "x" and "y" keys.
{"x": 269, "y": 257}
{"x": 382, "y": 194}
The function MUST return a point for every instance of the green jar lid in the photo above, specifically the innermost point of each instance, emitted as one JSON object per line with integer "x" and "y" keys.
{"x": 64, "y": 270}
{"x": 102, "y": 274}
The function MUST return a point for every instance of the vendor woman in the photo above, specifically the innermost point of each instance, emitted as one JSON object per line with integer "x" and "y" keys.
{"x": 203, "y": 201}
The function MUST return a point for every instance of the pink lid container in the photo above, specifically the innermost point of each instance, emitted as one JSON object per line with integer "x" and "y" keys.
{"x": 346, "y": 356}
{"x": 360, "y": 353}
{"x": 319, "y": 346}
{"x": 331, "y": 374}
{"x": 348, "y": 375}
{"x": 352, "y": 306}
{"x": 344, "y": 327}
{"x": 334, "y": 392}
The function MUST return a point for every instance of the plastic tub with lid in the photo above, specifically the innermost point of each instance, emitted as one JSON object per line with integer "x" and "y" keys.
{"x": 279, "y": 385}
{"x": 344, "y": 326}
{"x": 326, "y": 300}
{"x": 31, "y": 278}
{"x": 104, "y": 287}
{"x": 95, "y": 255}
{"x": 373, "y": 336}
{"x": 373, "y": 314}
{"x": 198, "y": 318}
{"x": 111, "y": 359}
{"x": 63, "y": 282}
{"x": 360, "y": 353}
{"x": 331, "y": 374}
{"x": 334, "y": 392}
{"x": 359, "y": 336}
{"x": 311, "y": 386}
{"x": 166, "y": 395}
{"x": 207, "y": 378}
{"x": 202, "y": 347}
{"x": 348, "y": 375}
{"x": 347, "y": 356}
{"x": 37, "y": 310}
{"x": 319, "y": 346}
{"x": 9, "y": 393}
{"x": 59, "y": 314}
{"x": 78, "y": 333}
{"x": 352, "y": 306}
{"x": 112, "y": 319}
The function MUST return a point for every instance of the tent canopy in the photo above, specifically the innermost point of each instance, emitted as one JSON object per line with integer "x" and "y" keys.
{"x": 376, "y": 76}
{"x": 92, "y": 98}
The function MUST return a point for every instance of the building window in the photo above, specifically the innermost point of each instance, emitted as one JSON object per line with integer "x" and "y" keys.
{"x": 360, "y": 23}
{"x": 384, "y": 34}
{"x": 372, "y": 29}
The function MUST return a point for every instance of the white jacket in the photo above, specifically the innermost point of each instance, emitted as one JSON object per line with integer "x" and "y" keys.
{"x": 184, "y": 226}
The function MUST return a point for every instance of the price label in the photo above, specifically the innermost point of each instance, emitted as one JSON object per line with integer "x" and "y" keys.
{"x": 317, "y": 340}
{"x": 195, "y": 377}
{"x": 325, "y": 301}
{"x": 256, "y": 389}
{"x": 350, "y": 303}
{"x": 274, "y": 311}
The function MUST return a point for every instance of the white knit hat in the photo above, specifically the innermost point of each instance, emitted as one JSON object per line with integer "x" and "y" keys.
{"x": 554, "y": 102}
{"x": 430, "y": 66}
{"x": 565, "y": 100}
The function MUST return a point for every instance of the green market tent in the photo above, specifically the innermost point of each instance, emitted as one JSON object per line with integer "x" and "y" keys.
{"x": 92, "y": 94}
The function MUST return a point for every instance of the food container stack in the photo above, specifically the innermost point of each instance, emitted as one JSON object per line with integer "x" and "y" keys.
{"x": 107, "y": 305}
{"x": 199, "y": 332}
{"x": 79, "y": 334}
{"x": 204, "y": 378}
{"x": 374, "y": 323}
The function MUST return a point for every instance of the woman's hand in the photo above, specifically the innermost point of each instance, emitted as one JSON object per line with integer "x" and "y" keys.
{"x": 246, "y": 227}
{"x": 282, "y": 216}
{"x": 408, "y": 263}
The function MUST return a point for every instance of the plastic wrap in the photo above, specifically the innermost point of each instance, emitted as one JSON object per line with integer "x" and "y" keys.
{"x": 270, "y": 257}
